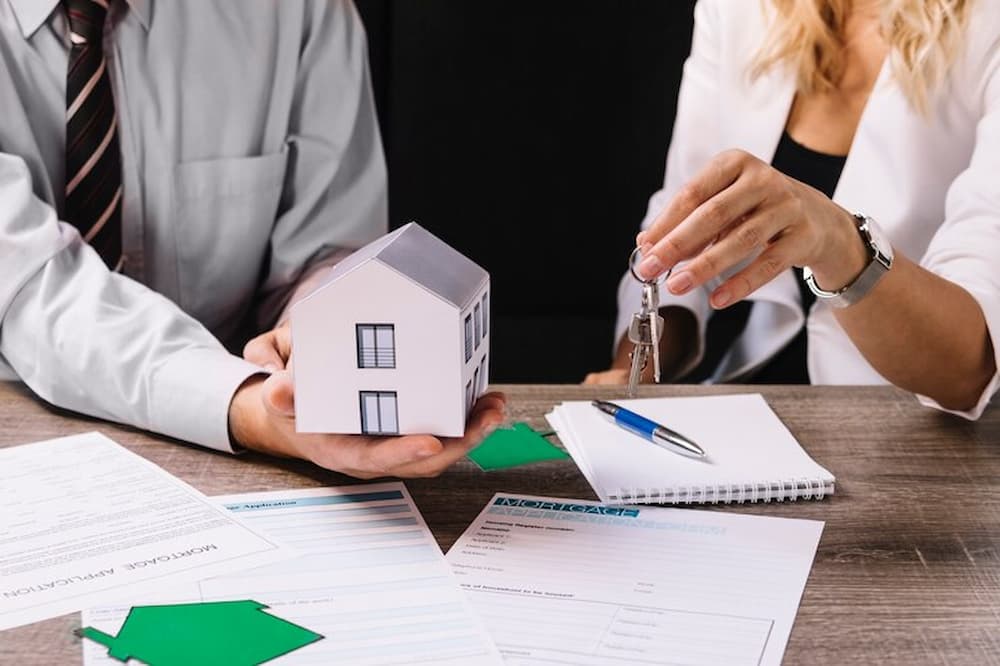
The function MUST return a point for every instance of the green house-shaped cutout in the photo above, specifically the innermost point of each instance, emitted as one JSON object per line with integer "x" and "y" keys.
{"x": 511, "y": 447}
{"x": 233, "y": 633}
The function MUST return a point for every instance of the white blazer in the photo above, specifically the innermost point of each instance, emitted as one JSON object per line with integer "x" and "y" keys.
{"x": 932, "y": 183}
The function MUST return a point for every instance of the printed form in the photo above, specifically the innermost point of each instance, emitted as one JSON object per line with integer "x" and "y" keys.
{"x": 84, "y": 521}
{"x": 371, "y": 579}
{"x": 571, "y": 581}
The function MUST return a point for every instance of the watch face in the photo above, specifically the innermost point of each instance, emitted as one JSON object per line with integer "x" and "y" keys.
{"x": 878, "y": 239}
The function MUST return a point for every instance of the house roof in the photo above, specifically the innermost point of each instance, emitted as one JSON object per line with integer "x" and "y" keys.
{"x": 424, "y": 258}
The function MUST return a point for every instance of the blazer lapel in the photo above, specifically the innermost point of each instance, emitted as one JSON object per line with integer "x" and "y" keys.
{"x": 856, "y": 190}
{"x": 760, "y": 112}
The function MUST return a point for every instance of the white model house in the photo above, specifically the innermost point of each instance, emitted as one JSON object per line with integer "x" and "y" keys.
{"x": 394, "y": 341}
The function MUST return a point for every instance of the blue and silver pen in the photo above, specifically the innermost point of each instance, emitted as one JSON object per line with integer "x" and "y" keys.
{"x": 651, "y": 430}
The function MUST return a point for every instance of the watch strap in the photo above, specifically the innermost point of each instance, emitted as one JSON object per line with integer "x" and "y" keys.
{"x": 878, "y": 265}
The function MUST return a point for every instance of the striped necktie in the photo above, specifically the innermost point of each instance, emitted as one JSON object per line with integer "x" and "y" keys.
{"x": 93, "y": 156}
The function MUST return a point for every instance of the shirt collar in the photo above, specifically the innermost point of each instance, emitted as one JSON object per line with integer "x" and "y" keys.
{"x": 31, "y": 14}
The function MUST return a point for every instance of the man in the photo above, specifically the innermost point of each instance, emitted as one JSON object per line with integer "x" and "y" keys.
{"x": 173, "y": 174}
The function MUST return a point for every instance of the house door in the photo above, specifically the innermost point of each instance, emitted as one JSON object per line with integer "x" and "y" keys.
{"x": 379, "y": 415}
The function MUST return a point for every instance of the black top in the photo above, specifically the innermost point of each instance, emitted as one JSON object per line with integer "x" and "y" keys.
{"x": 788, "y": 366}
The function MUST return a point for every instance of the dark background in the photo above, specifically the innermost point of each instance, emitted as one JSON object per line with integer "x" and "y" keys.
{"x": 529, "y": 136}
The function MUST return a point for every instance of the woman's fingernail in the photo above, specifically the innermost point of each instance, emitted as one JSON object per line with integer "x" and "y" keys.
{"x": 680, "y": 283}
{"x": 640, "y": 239}
{"x": 650, "y": 267}
{"x": 426, "y": 453}
{"x": 721, "y": 298}
{"x": 271, "y": 367}
{"x": 645, "y": 248}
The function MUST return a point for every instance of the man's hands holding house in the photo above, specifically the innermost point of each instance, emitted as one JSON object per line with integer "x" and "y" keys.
{"x": 262, "y": 417}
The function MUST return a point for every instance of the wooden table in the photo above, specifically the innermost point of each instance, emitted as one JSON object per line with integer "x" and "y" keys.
{"x": 908, "y": 569}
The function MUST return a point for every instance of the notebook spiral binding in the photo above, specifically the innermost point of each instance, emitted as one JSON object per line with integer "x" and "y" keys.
{"x": 778, "y": 490}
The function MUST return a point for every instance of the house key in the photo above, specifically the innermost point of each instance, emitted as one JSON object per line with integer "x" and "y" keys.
{"x": 645, "y": 330}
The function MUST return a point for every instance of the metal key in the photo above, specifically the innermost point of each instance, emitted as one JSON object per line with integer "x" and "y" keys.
{"x": 651, "y": 306}
{"x": 644, "y": 332}
{"x": 639, "y": 334}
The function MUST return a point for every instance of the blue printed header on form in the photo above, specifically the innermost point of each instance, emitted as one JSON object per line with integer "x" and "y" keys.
{"x": 546, "y": 505}
{"x": 293, "y": 502}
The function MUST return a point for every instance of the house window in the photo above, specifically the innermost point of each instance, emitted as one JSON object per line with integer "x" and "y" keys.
{"x": 379, "y": 415}
{"x": 468, "y": 396}
{"x": 479, "y": 324}
{"x": 475, "y": 383}
{"x": 482, "y": 372}
{"x": 486, "y": 312}
{"x": 376, "y": 345}
{"x": 468, "y": 338}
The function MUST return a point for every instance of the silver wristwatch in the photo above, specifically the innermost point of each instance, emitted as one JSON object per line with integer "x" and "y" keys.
{"x": 880, "y": 261}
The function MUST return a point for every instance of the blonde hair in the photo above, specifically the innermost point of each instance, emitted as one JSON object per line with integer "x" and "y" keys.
{"x": 807, "y": 35}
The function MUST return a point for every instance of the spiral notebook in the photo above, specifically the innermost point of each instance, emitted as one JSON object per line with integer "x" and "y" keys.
{"x": 751, "y": 455}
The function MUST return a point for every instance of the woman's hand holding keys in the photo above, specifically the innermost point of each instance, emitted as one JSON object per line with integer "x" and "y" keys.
{"x": 739, "y": 208}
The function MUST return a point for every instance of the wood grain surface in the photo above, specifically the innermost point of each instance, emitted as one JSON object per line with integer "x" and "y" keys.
{"x": 907, "y": 572}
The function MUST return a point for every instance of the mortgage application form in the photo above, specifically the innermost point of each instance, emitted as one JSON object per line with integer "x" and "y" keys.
{"x": 570, "y": 581}
{"x": 370, "y": 579}
{"x": 84, "y": 521}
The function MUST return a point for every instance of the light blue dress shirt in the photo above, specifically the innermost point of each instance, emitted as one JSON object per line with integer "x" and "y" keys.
{"x": 250, "y": 152}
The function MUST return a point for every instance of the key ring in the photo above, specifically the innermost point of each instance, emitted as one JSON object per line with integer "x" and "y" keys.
{"x": 631, "y": 269}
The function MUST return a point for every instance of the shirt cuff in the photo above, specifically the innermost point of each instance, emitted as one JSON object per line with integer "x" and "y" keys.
{"x": 991, "y": 312}
{"x": 192, "y": 393}
{"x": 7, "y": 373}
{"x": 971, "y": 414}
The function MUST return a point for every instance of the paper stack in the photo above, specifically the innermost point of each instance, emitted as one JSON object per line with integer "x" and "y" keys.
{"x": 751, "y": 455}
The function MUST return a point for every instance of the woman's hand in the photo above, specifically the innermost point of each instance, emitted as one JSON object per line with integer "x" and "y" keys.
{"x": 677, "y": 345}
{"x": 741, "y": 208}
{"x": 609, "y": 377}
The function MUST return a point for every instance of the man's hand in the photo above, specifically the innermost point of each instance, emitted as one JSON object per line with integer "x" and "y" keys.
{"x": 262, "y": 417}
{"x": 271, "y": 350}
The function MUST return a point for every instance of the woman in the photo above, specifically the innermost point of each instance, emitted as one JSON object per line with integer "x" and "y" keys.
{"x": 792, "y": 115}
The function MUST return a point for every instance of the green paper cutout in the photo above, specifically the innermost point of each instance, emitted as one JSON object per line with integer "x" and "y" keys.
{"x": 510, "y": 447}
{"x": 235, "y": 633}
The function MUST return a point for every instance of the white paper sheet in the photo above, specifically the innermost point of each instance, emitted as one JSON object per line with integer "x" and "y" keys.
{"x": 569, "y": 581}
{"x": 371, "y": 579}
{"x": 84, "y": 521}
